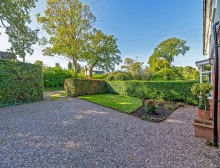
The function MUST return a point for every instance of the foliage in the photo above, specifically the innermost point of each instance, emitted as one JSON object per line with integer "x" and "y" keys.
{"x": 102, "y": 52}
{"x": 70, "y": 65}
{"x": 122, "y": 103}
{"x": 166, "y": 73}
{"x": 78, "y": 87}
{"x": 20, "y": 83}
{"x": 174, "y": 73}
{"x": 133, "y": 67}
{"x": 119, "y": 76}
{"x": 168, "y": 49}
{"x": 201, "y": 90}
{"x": 150, "y": 106}
{"x": 190, "y": 73}
{"x": 38, "y": 62}
{"x": 55, "y": 77}
{"x": 168, "y": 106}
{"x": 68, "y": 24}
{"x": 172, "y": 90}
{"x": 14, "y": 17}
{"x": 47, "y": 89}
{"x": 203, "y": 105}
{"x": 101, "y": 76}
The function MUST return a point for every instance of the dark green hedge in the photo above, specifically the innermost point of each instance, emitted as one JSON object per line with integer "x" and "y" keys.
{"x": 170, "y": 90}
{"x": 20, "y": 83}
{"x": 78, "y": 87}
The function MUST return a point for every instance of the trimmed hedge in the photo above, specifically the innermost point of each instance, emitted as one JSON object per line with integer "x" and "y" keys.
{"x": 79, "y": 87}
{"x": 20, "y": 83}
{"x": 169, "y": 90}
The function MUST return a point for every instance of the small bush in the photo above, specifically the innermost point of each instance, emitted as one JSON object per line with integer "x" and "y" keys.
{"x": 20, "y": 83}
{"x": 168, "y": 106}
{"x": 150, "y": 106}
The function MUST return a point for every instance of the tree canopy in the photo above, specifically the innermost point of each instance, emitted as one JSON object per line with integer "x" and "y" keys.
{"x": 168, "y": 50}
{"x": 68, "y": 23}
{"x": 132, "y": 66}
{"x": 102, "y": 52}
{"x": 14, "y": 18}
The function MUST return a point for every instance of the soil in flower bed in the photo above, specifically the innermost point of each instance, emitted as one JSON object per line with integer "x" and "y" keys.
{"x": 161, "y": 113}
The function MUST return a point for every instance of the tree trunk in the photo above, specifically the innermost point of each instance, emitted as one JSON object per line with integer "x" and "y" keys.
{"x": 23, "y": 59}
{"x": 90, "y": 72}
{"x": 74, "y": 65}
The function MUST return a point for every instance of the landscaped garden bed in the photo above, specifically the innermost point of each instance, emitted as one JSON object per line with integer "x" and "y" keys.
{"x": 155, "y": 111}
{"x": 150, "y": 110}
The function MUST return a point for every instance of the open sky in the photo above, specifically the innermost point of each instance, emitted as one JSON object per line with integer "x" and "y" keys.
{"x": 139, "y": 25}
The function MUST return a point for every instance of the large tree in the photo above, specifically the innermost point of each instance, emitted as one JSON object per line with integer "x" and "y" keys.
{"x": 132, "y": 66}
{"x": 68, "y": 23}
{"x": 14, "y": 18}
{"x": 102, "y": 52}
{"x": 168, "y": 50}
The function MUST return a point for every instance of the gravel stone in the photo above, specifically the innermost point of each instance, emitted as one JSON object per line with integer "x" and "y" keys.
{"x": 74, "y": 133}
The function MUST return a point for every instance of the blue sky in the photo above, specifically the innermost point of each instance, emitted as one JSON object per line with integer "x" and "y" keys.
{"x": 139, "y": 26}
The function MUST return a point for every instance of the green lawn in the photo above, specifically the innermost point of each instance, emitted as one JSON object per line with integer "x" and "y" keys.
{"x": 123, "y": 103}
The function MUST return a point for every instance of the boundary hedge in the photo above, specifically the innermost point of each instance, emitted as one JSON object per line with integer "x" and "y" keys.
{"x": 20, "y": 83}
{"x": 79, "y": 87}
{"x": 169, "y": 90}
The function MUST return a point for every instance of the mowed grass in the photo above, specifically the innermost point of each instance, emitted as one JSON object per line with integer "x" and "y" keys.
{"x": 123, "y": 103}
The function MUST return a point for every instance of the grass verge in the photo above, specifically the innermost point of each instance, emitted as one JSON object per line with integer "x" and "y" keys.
{"x": 123, "y": 103}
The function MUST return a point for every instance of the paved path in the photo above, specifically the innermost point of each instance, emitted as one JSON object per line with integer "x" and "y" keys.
{"x": 75, "y": 133}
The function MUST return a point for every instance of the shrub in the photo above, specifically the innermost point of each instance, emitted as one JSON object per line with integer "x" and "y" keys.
{"x": 79, "y": 87}
{"x": 201, "y": 90}
{"x": 20, "y": 83}
{"x": 168, "y": 106}
{"x": 101, "y": 76}
{"x": 151, "y": 106}
{"x": 119, "y": 76}
{"x": 55, "y": 77}
{"x": 169, "y": 90}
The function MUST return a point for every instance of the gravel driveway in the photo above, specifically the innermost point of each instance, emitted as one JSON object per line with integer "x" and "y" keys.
{"x": 74, "y": 133}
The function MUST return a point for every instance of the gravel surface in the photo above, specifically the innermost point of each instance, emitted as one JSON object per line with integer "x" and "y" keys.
{"x": 74, "y": 133}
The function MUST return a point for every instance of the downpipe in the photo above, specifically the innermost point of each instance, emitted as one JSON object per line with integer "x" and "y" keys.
{"x": 216, "y": 83}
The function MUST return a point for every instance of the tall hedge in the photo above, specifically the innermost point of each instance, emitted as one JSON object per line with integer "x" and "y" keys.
{"x": 20, "y": 83}
{"x": 170, "y": 90}
{"x": 78, "y": 87}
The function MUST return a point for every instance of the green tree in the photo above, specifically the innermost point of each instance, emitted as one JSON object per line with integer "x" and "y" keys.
{"x": 190, "y": 73}
{"x": 68, "y": 23}
{"x": 132, "y": 66}
{"x": 158, "y": 64}
{"x": 168, "y": 50}
{"x": 14, "y": 18}
{"x": 38, "y": 62}
{"x": 102, "y": 52}
{"x": 70, "y": 65}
